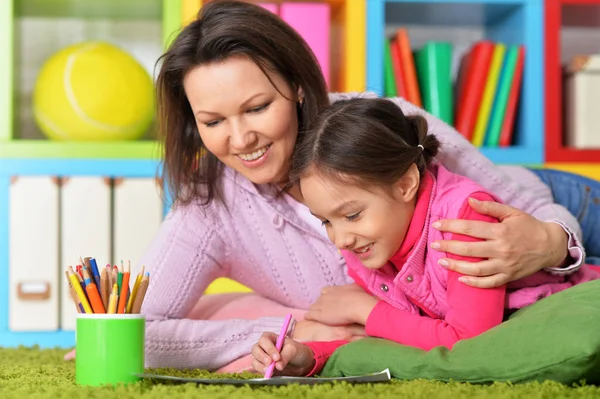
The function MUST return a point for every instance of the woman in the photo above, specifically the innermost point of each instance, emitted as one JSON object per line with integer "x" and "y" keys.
{"x": 239, "y": 85}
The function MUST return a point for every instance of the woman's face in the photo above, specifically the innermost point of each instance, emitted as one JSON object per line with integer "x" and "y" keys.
{"x": 243, "y": 119}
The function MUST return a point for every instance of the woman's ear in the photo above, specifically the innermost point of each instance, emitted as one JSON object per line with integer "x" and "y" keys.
{"x": 300, "y": 96}
{"x": 407, "y": 186}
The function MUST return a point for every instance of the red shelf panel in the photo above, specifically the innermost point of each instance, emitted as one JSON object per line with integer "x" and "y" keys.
{"x": 555, "y": 150}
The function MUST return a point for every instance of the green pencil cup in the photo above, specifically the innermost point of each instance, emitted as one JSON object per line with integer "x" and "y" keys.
{"x": 110, "y": 348}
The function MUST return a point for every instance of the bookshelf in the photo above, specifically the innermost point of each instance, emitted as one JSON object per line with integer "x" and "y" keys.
{"x": 32, "y": 30}
{"x": 572, "y": 28}
{"x": 463, "y": 23}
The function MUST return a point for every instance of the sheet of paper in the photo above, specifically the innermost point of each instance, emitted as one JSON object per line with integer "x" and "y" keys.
{"x": 382, "y": 376}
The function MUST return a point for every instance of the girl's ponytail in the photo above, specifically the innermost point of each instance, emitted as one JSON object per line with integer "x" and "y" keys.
{"x": 428, "y": 145}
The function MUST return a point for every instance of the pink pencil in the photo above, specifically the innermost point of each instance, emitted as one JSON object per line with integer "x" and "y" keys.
{"x": 279, "y": 343}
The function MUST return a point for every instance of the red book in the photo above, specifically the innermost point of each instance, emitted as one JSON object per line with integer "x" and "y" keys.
{"x": 472, "y": 92}
{"x": 397, "y": 65}
{"x": 465, "y": 63}
{"x": 411, "y": 83}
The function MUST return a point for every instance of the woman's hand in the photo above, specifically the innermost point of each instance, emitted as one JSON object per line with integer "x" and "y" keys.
{"x": 308, "y": 330}
{"x": 342, "y": 305}
{"x": 295, "y": 359}
{"x": 517, "y": 247}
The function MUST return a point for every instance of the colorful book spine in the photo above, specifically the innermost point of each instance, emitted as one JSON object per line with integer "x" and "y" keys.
{"x": 506, "y": 134}
{"x": 312, "y": 22}
{"x": 489, "y": 93}
{"x": 492, "y": 136}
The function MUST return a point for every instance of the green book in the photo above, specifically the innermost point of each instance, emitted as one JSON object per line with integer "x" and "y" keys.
{"x": 434, "y": 69}
{"x": 389, "y": 79}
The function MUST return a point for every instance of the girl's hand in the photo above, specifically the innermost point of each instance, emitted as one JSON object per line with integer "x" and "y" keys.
{"x": 342, "y": 305}
{"x": 295, "y": 359}
{"x": 308, "y": 330}
{"x": 517, "y": 247}
{"x": 70, "y": 355}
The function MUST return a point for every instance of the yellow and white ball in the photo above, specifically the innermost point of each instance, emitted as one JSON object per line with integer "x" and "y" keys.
{"x": 93, "y": 91}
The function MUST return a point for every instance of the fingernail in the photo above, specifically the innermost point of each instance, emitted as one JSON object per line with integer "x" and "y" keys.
{"x": 443, "y": 262}
{"x": 463, "y": 279}
{"x": 267, "y": 360}
{"x": 473, "y": 200}
{"x": 435, "y": 245}
{"x": 436, "y": 225}
{"x": 275, "y": 356}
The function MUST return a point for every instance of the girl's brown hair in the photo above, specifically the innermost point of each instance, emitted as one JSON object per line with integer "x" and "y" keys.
{"x": 221, "y": 30}
{"x": 368, "y": 141}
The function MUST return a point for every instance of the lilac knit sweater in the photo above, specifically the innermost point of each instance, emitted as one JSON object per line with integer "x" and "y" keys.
{"x": 256, "y": 238}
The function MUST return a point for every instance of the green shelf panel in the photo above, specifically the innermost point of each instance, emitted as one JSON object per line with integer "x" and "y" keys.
{"x": 113, "y": 9}
{"x": 80, "y": 150}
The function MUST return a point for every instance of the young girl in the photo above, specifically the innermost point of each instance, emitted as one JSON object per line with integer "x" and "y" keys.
{"x": 366, "y": 171}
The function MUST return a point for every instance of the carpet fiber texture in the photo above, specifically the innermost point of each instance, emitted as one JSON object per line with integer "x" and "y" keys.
{"x": 34, "y": 373}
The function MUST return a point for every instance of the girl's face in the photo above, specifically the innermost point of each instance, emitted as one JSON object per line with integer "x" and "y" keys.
{"x": 372, "y": 223}
{"x": 243, "y": 119}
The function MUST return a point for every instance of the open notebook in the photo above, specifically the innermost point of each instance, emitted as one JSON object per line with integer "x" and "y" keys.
{"x": 382, "y": 376}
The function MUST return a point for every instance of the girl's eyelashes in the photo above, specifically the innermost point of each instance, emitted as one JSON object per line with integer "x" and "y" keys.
{"x": 354, "y": 216}
{"x": 351, "y": 218}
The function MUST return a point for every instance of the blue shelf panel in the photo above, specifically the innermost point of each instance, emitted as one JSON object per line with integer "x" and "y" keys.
{"x": 50, "y": 339}
{"x": 455, "y": 14}
{"x": 515, "y": 155}
{"x": 508, "y": 21}
{"x": 4, "y": 184}
{"x": 79, "y": 167}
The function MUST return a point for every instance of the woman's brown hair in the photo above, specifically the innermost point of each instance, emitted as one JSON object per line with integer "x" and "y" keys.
{"x": 364, "y": 140}
{"x": 221, "y": 30}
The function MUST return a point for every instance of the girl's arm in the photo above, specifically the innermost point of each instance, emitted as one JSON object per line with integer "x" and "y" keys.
{"x": 186, "y": 255}
{"x": 471, "y": 311}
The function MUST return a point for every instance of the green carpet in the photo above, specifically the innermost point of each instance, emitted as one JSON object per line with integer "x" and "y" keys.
{"x": 33, "y": 373}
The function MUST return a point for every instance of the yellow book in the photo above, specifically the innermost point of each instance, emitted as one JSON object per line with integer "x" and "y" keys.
{"x": 355, "y": 46}
{"x": 489, "y": 93}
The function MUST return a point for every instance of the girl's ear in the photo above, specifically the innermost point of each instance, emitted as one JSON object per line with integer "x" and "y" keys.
{"x": 407, "y": 186}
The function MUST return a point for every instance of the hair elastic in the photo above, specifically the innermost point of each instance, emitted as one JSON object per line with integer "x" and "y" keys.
{"x": 421, "y": 147}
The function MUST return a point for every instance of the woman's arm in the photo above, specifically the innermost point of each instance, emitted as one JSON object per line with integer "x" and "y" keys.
{"x": 186, "y": 255}
{"x": 553, "y": 247}
{"x": 553, "y": 235}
